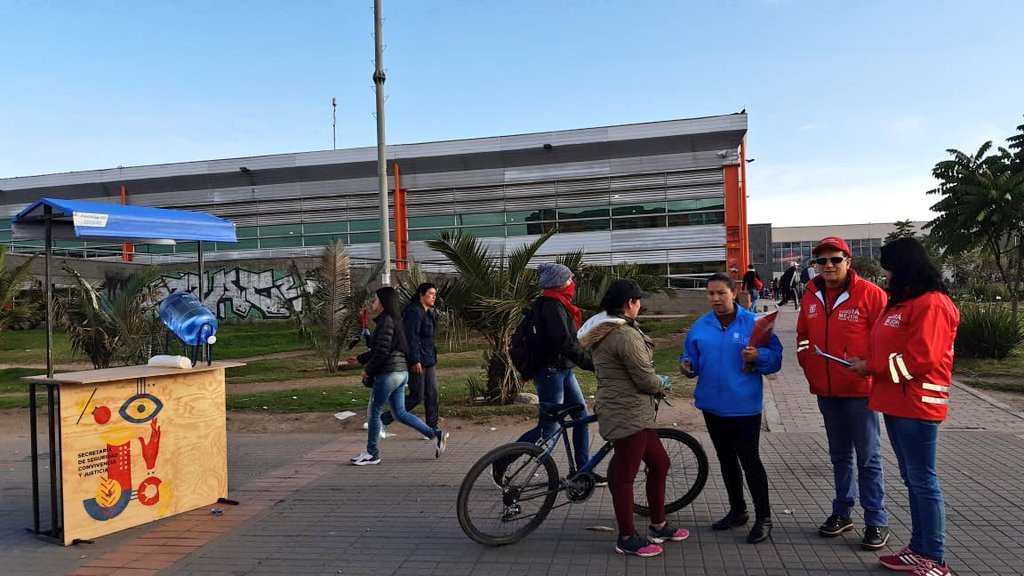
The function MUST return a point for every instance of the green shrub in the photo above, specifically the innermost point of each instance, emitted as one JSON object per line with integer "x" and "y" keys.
{"x": 987, "y": 331}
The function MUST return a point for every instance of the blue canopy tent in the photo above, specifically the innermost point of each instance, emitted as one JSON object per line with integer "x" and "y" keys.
{"x": 51, "y": 219}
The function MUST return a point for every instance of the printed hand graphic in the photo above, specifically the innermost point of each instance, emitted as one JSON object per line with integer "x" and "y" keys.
{"x": 151, "y": 449}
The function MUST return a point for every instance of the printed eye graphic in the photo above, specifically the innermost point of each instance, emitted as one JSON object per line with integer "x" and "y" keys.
{"x": 140, "y": 408}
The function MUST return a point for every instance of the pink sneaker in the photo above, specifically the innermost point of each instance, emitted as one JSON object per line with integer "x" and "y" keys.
{"x": 637, "y": 546}
{"x": 667, "y": 532}
{"x": 926, "y": 567}
{"x": 905, "y": 559}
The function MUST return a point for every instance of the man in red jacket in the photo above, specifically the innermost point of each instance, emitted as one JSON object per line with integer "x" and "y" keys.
{"x": 837, "y": 312}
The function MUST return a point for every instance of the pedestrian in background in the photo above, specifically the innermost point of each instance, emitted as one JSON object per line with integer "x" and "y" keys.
{"x": 752, "y": 284}
{"x": 786, "y": 286}
{"x": 836, "y": 315}
{"x": 730, "y": 393}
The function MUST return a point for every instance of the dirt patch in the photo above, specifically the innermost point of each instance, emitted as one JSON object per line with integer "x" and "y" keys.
{"x": 1012, "y": 399}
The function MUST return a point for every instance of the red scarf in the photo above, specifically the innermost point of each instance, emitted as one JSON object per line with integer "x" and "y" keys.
{"x": 565, "y": 295}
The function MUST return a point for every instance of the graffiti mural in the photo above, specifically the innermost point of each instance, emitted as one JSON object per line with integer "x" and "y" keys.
{"x": 240, "y": 292}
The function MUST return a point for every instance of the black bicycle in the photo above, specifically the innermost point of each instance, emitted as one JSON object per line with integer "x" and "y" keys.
{"x": 510, "y": 490}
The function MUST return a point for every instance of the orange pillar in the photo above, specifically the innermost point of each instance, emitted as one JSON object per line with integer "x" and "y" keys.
{"x": 127, "y": 250}
{"x": 736, "y": 251}
{"x": 401, "y": 224}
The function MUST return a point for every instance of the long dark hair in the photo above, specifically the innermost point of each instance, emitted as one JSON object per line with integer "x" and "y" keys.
{"x": 389, "y": 302}
{"x": 913, "y": 272}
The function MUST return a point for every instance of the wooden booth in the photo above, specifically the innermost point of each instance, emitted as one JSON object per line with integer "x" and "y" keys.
{"x": 133, "y": 444}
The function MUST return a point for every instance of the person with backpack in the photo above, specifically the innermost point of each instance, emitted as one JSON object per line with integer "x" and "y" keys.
{"x": 556, "y": 320}
{"x": 752, "y": 284}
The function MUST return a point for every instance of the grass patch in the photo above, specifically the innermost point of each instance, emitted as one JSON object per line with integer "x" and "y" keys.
{"x": 664, "y": 327}
{"x": 1001, "y": 386}
{"x": 1012, "y": 365}
{"x": 243, "y": 340}
{"x": 11, "y": 379}
{"x": 29, "y": 347}
{"x": 277, "y": 369}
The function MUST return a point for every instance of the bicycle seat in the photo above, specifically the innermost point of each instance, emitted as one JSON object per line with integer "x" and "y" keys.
{"x": 559, "y": 411}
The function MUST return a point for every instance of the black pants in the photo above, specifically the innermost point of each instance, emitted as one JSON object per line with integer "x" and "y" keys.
{"x": 789, "y": 294}
{"x": 422, "y": 388}
{"x": 737, "y": 441}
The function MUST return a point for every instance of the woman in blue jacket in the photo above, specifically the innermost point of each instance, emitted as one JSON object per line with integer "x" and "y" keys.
{"x": 730, "y": 393}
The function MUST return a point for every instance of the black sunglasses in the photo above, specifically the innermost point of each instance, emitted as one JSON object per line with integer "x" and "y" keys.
{"x": 835, "y": 260}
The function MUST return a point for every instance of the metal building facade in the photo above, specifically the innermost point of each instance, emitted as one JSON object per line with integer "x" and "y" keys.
{"x": 649, "y": 193}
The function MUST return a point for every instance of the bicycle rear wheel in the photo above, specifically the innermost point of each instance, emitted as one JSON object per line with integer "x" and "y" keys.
{"x": 507, "y": 494}
{"x": 687, "y": 472}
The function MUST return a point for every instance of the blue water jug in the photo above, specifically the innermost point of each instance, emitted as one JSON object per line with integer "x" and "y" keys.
{"x": 188, "y": 319}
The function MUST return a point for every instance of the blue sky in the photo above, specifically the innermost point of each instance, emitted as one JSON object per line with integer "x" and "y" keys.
{"x": 850, "y": 103}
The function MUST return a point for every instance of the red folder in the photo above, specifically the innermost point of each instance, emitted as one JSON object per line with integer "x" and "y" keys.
{"x": 763, "y": 328}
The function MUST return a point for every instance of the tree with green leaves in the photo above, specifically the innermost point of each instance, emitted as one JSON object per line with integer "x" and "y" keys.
{"x": 488, "y": 295}
{"x": 982, "y": 206}
{"x": 904, "y": 229}
{"x": 116, "y": 323}
{"x": 12, "y": 282}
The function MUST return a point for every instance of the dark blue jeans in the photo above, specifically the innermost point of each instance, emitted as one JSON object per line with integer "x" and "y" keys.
{"x": 560, "y": 387}
{"x": 915, "y": 443}
{"x": 853, "y": 430}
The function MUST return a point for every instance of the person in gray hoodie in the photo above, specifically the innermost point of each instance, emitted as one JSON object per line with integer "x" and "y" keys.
{"x": 627, "y": 395}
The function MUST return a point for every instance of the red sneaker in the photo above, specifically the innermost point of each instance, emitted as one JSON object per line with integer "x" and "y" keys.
{"x": 905, "y": 559}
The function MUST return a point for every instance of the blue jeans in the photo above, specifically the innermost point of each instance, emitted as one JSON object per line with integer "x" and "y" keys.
{"x": 755, "y": 296}
{"x": 915, "y": 443}
{"x": 389, "y": 388}
{"x": 852, "y": 428}
{"x": 560, "y": 387}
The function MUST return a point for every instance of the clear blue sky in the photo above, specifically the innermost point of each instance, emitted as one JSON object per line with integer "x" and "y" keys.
{"x": 850, "y": 102}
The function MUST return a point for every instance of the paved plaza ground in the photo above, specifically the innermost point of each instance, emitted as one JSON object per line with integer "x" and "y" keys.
{"x": 304, "y": 510}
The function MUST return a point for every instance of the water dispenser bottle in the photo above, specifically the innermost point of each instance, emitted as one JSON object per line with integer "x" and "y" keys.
{"x": 189, "y": 320}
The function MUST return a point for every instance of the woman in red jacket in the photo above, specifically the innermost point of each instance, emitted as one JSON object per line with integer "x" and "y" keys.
{"x": 911, "y": 360}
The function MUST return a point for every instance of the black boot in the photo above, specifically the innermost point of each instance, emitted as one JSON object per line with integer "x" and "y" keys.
{"x": 762, "y": 530}
{"x": 731, "y": 520}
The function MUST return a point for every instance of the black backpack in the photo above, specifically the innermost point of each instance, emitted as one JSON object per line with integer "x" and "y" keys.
{"x": 526, "y": 348}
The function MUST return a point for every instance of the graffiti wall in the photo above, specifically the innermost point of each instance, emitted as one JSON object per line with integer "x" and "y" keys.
{"x": 241, "y": 293}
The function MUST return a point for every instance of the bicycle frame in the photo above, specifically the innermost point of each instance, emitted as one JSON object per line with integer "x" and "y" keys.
{"x": 564, "y": 427}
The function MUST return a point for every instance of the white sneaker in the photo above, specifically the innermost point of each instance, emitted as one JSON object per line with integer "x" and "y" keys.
{"x": 361, "y": 455}
{"x": 383, "y": 430}
{"x": 440, "y": 443}
{"x": 366, "y": 425}
{"x": 365, "y": 459}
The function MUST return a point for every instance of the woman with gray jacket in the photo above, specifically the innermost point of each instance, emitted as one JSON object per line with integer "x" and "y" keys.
{"x": 627, "y": 395}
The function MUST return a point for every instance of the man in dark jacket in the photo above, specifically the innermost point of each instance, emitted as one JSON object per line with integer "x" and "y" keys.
{"x": 420, "y": 324}
{"x": 786, "y": 286}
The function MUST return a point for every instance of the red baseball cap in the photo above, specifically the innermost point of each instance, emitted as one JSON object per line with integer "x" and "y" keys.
{"x": 833, "y": 242}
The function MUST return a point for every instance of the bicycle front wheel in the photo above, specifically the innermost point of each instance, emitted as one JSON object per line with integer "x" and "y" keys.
{"x": 687, "y": 472}
{"x": 507, "y": 494}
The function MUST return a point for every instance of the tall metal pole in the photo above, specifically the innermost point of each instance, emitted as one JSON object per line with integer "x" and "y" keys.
{"x": 334, "y": 123}
{"x": 382, "y": 162}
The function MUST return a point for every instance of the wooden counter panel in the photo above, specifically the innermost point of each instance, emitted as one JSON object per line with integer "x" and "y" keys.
{"x": 140, "y": 448}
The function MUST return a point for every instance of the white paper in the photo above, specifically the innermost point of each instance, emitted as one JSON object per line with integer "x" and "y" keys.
{"x": 167, "y": 361}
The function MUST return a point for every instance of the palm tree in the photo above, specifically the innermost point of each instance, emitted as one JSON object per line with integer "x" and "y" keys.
{"x": 331, "y": 304}
{"x": 114, "y": 323}
{"x": 488, "y": 295}
{"x": 11, "y": 284}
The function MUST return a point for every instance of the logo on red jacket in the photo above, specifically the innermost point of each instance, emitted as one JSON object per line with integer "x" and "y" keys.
{"x": 850, "y": 315}
{"x": 893, "y": 320}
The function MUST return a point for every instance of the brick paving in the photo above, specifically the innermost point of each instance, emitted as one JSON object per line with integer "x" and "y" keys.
{"x": 304, "y": 510}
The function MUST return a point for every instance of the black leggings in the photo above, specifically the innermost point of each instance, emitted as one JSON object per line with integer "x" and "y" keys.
{"x": 737, "y": 441}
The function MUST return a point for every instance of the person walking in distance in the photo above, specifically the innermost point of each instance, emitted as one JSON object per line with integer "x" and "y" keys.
{"x": 837, "y": 312}
{"x": 752, "y": 284}
{"x": 420, "y": 325}
{"x": 786, "y": 282}
{"x": 911, "y": 360}
{"x": 730, "y": 393}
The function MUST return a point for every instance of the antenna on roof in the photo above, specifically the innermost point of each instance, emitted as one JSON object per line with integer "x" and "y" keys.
{"x": 334, "y": 123}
